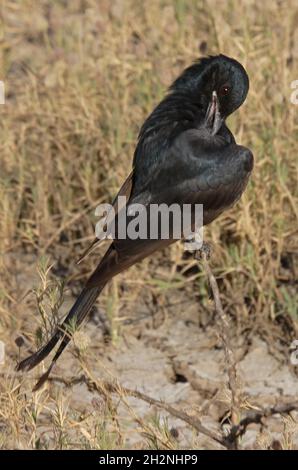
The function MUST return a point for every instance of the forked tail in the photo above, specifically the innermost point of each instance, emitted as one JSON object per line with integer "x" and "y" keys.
{"x": 78, "y": 312}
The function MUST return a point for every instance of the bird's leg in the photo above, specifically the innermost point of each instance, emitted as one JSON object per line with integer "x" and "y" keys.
{"x": 194, "y": 242}
{"x": 203, "y": 252}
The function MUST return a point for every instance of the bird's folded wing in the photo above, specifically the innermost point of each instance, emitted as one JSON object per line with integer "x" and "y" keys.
{"x": 125, "y": 190}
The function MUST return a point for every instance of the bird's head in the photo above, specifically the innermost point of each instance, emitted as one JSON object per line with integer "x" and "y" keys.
{"x": 218, "y": 85}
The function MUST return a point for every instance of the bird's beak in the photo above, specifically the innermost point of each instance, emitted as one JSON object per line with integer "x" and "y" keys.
{"x": 213, "y": 118}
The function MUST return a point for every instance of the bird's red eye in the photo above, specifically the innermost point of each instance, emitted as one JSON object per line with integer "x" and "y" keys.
{"x": 224, "y": 90}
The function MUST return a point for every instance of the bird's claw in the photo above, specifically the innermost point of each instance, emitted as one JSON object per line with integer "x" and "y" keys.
{"x": 204, "y": 252}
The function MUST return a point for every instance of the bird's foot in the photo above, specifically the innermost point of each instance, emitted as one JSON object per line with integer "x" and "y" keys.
{"x": 204, "y": 252}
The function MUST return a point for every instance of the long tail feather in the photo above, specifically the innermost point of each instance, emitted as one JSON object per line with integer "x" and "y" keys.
{"x": 40, "y": 355}
{"x": 75, "y": 317}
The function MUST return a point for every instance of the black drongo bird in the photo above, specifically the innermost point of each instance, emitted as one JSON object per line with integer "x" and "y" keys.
{"x": 185, "y": 154}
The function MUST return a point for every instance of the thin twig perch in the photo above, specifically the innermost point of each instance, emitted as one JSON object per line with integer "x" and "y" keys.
{"x": 224, "y": 332}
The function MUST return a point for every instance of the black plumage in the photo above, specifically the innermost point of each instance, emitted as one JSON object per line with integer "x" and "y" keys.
{"x": 185, "y": 155}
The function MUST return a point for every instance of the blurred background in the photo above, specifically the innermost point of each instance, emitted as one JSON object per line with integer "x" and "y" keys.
{"x": 80, "y": 78}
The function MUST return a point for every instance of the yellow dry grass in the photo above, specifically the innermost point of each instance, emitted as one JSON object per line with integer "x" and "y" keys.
{"x": 80, "y": 78}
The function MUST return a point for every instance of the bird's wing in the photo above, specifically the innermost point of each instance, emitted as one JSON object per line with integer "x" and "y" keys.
{"x": 125, "y": 190}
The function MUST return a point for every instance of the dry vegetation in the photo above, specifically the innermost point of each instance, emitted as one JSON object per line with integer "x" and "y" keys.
{"x": 80, "y": 78}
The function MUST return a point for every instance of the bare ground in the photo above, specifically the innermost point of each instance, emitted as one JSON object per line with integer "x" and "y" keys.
{"x": 170, "y": 350}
